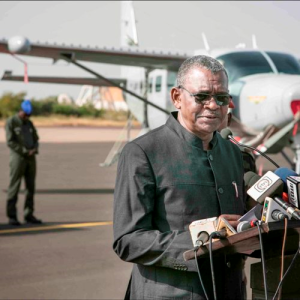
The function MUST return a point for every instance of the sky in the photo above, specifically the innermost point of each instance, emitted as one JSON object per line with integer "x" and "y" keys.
{"x": 165, "y": 25}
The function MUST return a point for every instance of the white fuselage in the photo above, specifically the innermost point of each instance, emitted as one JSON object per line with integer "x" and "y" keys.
{"x": 262, "y": 94}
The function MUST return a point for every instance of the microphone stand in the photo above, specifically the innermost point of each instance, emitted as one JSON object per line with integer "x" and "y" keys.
{"x": 254, "y": 149}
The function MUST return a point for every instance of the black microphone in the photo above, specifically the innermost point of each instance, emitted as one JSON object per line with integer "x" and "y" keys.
{"x": 288, "y": 208}
{"x": 220, "y": 234}
{"x": 202, "y": 238}
{"x": 293, "y": 187}
{"x": 227, "y": 135}
{"x": 250, "y": 178}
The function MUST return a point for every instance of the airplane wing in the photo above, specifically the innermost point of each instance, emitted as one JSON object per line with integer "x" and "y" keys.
{"x": 7, "y": 76}
{"x": 122, "y": 56}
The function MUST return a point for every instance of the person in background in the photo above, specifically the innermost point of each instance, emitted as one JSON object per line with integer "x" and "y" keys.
{"x": 22, "y": 140}
{"x": 248, "y": 156}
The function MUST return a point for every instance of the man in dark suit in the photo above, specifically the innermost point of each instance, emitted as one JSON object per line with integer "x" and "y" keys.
{"x": 178, "y": 173}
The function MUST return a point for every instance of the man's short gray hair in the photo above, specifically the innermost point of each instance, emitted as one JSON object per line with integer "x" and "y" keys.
{"x": 198, "y": 61}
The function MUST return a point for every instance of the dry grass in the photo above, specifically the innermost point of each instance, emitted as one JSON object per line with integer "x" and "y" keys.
{"x": 55, "y": 121}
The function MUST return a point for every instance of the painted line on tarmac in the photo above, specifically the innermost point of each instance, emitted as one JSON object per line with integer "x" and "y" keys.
{"x": 51, "y": 227}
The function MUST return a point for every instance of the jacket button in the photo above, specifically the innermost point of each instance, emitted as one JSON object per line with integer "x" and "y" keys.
{"x": 211, "y": 157}
{"x": 228, "y": 264}
{"x": 220, "y": 190}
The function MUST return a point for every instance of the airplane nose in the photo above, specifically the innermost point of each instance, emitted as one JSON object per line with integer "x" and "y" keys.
{"x": 269, "y": 99}
{"x": 291, "y": 100}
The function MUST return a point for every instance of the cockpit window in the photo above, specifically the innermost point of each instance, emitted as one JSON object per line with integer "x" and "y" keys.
{"x": 285, "y": 63}
{"x": 240, "y": 64}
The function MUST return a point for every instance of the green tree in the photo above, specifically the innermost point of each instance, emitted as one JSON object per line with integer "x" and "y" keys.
{"x": 10, "y": 104}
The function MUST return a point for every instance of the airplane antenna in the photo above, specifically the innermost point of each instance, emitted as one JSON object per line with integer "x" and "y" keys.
{"x": 205, "y": 42}
{"x": 254, "y": 43}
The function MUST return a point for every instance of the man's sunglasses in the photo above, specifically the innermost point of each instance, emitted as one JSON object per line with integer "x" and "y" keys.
{"x": 204, "y": 98}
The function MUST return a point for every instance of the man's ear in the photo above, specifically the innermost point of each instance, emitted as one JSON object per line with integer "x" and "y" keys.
{"x": 175, "y": 96}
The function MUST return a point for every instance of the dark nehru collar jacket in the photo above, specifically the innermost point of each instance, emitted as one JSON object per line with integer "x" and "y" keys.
{"x": 165, "y": 181}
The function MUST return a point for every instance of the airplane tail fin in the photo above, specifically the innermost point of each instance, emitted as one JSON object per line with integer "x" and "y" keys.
{"x": 254, "y": 42}
{"x": 128, "y": 25}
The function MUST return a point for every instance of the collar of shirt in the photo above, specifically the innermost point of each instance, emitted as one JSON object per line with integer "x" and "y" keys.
{"x": 21, "y": 121}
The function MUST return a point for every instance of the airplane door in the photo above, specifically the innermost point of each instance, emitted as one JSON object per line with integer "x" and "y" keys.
{"x": 158, "y": 94}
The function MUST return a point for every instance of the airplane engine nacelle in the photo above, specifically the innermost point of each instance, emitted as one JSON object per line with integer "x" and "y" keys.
{"x": 267, "y": 99}
{"x": 18, "y": 45}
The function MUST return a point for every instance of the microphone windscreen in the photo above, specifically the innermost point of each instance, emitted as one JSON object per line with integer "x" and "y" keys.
{"x": 225, "y": 133}
{"x": 250, "y": 179}
{"x": 283, "y": 173}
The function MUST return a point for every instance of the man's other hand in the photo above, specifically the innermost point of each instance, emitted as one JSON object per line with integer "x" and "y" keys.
{"x": 232, "y": 219}
{"x": 31, "y": 152}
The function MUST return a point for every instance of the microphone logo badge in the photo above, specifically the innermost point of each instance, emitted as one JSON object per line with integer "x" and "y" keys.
{"x": 263, "y": 184}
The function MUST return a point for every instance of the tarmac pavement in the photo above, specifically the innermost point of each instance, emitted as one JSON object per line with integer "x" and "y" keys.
{"x": 70, "y": 256}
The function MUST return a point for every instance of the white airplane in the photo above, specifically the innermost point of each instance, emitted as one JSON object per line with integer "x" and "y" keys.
{"x": 265, "y": 85}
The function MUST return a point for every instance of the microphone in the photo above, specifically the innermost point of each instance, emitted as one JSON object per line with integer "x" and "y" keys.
{"x": 203, "y": 237}
{"x": 284, "y": 173}
{"x": 245, "y": 225}
{"x": 291, "y": 182}
{"x": 250, "y": 178}
{"x": 267, "y": 186}
{"x": 220, "y": 234}
{"x": 278, "y": 215}
{"x": 293, "y": 187}
{"x": 288, "y": 208}
{"x": 201, "y": 229}
{"x": 272, "y": 212}
{"x": 227, "y": 135}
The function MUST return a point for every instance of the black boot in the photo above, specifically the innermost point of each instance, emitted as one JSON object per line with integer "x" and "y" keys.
{"x": 32, "y": 220}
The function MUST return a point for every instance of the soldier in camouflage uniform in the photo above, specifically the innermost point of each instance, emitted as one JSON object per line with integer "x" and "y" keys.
{"x": 22, "y": 139}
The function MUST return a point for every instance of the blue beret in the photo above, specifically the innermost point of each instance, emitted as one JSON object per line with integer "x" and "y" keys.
{"x": 26, "y": 107}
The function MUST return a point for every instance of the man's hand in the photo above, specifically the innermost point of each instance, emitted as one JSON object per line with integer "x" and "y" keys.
{"x": 232, "y": 219}
{"x": 31, "y": 152}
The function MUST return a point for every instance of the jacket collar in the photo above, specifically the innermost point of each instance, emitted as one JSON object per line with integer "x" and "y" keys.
{"x": 182, "y": 133}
